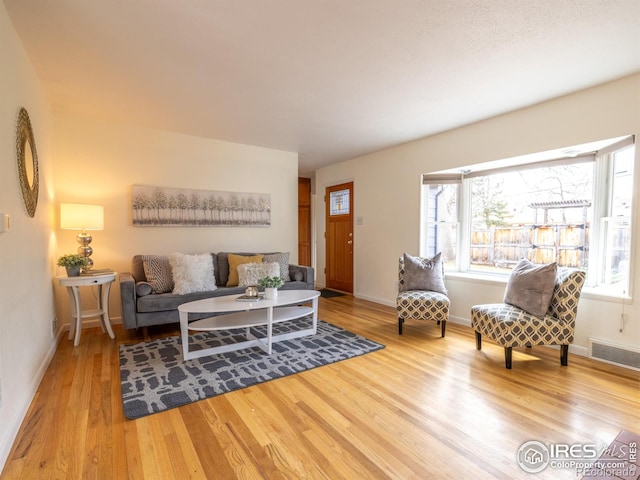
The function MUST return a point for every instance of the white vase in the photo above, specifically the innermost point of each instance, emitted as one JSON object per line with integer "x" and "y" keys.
{"x": 270, "y": 293}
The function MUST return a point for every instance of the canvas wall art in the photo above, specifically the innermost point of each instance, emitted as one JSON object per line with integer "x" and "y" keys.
{"x": 179, "y": 207}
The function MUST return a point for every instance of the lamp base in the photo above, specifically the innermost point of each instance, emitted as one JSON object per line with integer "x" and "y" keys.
{"x": 84, "y": 239}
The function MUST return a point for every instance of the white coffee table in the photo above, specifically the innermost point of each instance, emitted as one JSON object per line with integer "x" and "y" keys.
{"x": 237, "y": 314}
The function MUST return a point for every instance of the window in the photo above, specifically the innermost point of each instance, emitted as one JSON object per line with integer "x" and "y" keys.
{"x": 441, "y": 229}
{"x": 575, "y": 210}
{"x": 616, "y": 225}
{"x": 339, "y": 202}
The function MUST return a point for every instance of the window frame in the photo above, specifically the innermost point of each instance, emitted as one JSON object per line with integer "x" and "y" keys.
{"x": 603, "y": 177}
{"x": 426, "y": 225}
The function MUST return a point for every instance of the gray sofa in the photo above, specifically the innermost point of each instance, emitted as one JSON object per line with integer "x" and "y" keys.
{"x": 142, "y": 309}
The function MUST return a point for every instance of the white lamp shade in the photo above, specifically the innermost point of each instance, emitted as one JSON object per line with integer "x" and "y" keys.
{"x": 81, "y": 216}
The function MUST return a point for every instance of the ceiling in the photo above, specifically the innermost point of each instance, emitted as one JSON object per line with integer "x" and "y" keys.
{"x": 330, "y": 79}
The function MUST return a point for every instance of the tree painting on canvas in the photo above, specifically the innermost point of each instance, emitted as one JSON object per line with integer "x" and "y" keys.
{"x": 173, "y": 207}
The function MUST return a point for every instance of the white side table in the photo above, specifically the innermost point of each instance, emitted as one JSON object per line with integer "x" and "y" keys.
{"x": 73, "y": 285}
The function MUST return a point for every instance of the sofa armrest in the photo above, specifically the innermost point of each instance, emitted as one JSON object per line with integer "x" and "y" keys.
{"x": 128, "y": 300}
{"x": 307, "y": 274}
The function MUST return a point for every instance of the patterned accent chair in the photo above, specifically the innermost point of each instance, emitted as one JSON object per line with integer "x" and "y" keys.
{"x": 420, "y": 304}
{"x": 510, "y": 326}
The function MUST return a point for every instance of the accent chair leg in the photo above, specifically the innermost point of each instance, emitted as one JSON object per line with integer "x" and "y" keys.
{"x": 507, "y": 357}
{"x": 564, "y": 355}
{"x": 400, "y": 322}
{"x": 478, "y": 341}
{"x": 444, "y": 327}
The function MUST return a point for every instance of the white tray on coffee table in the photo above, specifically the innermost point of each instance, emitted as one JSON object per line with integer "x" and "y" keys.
{"x": 288, "y": 305}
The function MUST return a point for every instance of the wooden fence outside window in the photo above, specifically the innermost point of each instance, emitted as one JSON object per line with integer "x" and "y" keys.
{"x": 505, "y": 246}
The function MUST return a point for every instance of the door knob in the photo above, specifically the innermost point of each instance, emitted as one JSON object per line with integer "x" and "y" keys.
{"x": 350, "y": 242}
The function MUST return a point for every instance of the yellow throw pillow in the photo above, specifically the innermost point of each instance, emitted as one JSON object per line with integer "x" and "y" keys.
{"x": 234, "y": 261}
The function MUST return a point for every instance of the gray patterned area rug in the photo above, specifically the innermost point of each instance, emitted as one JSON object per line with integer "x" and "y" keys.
{"x": 154, "y": 377}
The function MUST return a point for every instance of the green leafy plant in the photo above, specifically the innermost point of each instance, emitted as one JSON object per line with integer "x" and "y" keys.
{"x": 72, "y": 260}
{"x": 270, "y": 282}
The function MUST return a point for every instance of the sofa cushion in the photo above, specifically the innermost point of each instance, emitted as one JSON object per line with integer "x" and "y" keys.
{"x": 137, "y": 269}
{"x": 294, "y": 285}
{"x": 283, "y": 261}
{"x": 234, "y": 261}
{"x": 250, "y": 273}
{"x": 171, "y": 301}
{"x": 157, "y": 271}
{"x": 530, "y": 287}
{"x": 222, "y": 267}
{"x": 214, "y": 259}
{"x": 192, "y": 273}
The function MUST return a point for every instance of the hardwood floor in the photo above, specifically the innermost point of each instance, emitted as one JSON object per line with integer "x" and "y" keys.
{"x": 422, "y": 408}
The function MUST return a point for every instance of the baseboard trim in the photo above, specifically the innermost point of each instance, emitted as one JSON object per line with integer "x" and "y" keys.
{"x": 369, "y": 298}
{"x": 460, "y": 321}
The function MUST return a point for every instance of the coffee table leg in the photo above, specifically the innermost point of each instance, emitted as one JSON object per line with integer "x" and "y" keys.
{"x": 184, "y": 333}
{"x": 315, "y": 315}
{"x": 269, "y": 329}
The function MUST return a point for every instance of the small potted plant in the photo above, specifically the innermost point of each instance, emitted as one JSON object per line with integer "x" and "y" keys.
{"x": 72, "y": 263}
{"x": 270, "y": 285}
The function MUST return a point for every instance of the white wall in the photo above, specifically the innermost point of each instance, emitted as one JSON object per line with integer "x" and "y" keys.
{"x": 26, "y": 269}
{"x": 97, "y": 162}
{"x": 387, "y": 196}
{"x": 86, "y": 161}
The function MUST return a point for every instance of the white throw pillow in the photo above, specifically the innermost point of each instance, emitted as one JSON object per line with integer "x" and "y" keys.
{"x": 192, "y": 273}
{"x": 250, "y": 273}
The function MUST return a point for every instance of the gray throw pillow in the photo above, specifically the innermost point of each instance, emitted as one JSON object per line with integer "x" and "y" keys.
{"x": 530, "y": 287}
{"x": 157, "y": 270}
{"x": 283, "y": 261}
{"x": 423, "y": 274}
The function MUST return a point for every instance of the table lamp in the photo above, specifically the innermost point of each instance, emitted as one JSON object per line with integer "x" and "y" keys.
{"x": 81, "y": 216}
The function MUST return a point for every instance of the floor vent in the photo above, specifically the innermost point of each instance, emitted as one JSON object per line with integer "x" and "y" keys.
{"x": 622, "y": 355}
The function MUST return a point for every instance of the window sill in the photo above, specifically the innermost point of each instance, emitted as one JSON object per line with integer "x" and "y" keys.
{"x": 592, "y": 293}
{"x": 603, "y": 295}
{"x": 483, "y": 278}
